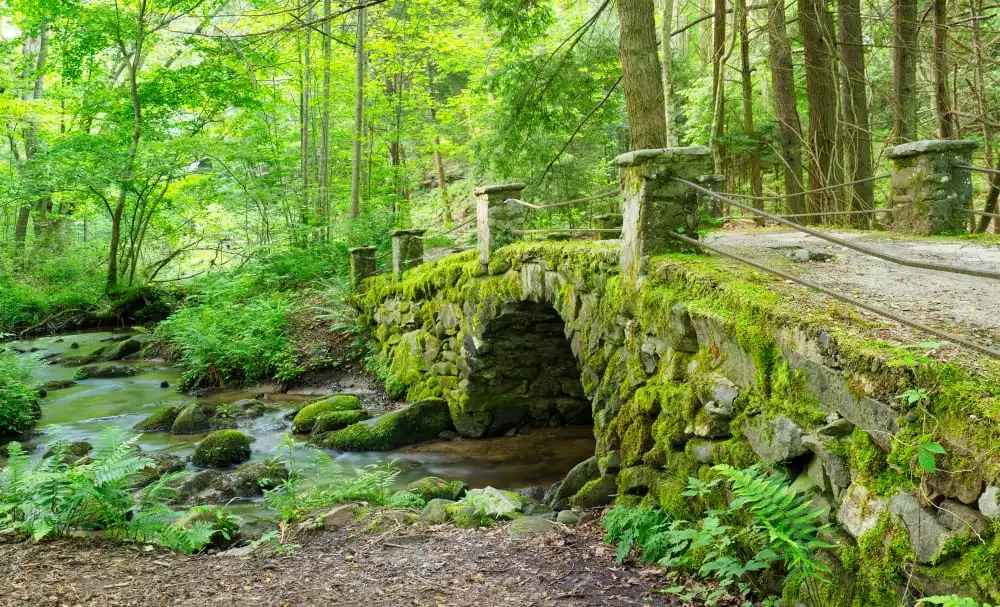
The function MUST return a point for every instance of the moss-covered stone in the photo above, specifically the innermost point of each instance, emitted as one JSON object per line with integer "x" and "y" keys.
{"x": 160, "y": 421}
{"x": 432, "y": 487}
{"x": 195, "y": 418}
{"x": 598, "y": 492}
{"x": 331, "y": 421}
{"x": 306, "y": 418}
{"x": 222, "y": 449}
{"x": 417, "y": 423}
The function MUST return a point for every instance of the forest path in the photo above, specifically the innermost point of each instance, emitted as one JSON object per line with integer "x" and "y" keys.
{"x": 408, "y": 566}
{"x": 964, "y": 305}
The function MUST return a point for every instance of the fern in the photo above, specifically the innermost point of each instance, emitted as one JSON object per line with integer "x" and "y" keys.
{"x": 630, "y": 527}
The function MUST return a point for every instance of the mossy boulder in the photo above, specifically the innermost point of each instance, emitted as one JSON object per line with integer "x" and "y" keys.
{"x": 338, "y": 420}
{"x": 195, "y": 418}
{"x": 436, "y": 512}
{"x": 222, "y": 449}
{"x": 306, "y": 418}
{"x": 72, "y": 452}
{"x": 465, "y": 516}
{"x": 432, "y": 487}
{"x": 529, "y": 526}
{"x": 580, "y": 475}
{"x": 160, "y": 421}
{"x": 419, "y": 422}
{"x": 105, "y": 372}
{"x": 598, "y": 492}
{"x": 251, "y": 480}
{"x": 122, "y": 350}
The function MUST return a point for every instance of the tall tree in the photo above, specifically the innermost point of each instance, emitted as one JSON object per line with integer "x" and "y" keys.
{"x": 785, "y": 108}
{"x": 667, "y": 22}
{"x": 719, "y": 84}
{"x": 360, "y": 64}
{"x": 857, "y": 133}
{"x": 947, "y": 121}
{"x": 816, "y": 25}
{"x": 746, "y": 74}
{"x": 905, "y": 70}
{"x": 323, "y": 179}
{"x": 642, "y": 75}
{"x": 306, "y": 113}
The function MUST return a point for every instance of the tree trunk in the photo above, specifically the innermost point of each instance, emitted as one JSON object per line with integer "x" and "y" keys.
{"x": 719, "y": 84}
{"x": 642, "y": 75}
{"x": 323, "y": 198}
{"x": 442, "y": 182}
{"x": 947, "y": 121}
{"x": 785, "y": 109}
{"x": 756, "y": 181}
{"x": 304, "y": 123}
{"x": 857, "y": 134}
{"x": 667, "y": 60}
{"x": 975, "y": 8}
{"x": 905, "y": 71}
{"x": 359, "y": 112}
{"x": 816, "y": 25}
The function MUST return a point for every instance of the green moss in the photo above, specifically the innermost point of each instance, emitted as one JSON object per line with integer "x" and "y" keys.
{"x": 432, "y": 487}
{"x": 160, "y": 421}
{"x": 417, "y": 423}
{"x": 306, "y": 418}
{"x": 222, "y": 449}
{"x": 332, "y": 421}
{"x": 465, "y": 516}
{"x": 879, "y": 564}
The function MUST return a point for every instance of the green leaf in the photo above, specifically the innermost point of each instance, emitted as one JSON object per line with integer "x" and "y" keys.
{"x": 927, "y": 462}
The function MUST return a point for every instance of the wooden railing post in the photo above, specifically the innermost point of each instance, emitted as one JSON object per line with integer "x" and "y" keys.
{"x": 654, "y": 204}
{"x": 927, "y": 188}
{"x": 497, "y": 222}
{"x": 362, "y": 265}
{"x": 407, "y": 250}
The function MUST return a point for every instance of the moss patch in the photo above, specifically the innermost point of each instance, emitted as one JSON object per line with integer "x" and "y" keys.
{"x": 306, "y": 418}
{"x": 417, "y": 423}
{"x": 222, "y": 449}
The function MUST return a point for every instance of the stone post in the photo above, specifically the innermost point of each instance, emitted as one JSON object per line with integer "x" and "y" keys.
{"x": 362, "y": 265}
{"x": 655, "y": 205}
{"x": 711, "y": 207}
{"x": 407, "y": 250}
{"x": 496, "y": 221}
{"x": 927, "y": 189}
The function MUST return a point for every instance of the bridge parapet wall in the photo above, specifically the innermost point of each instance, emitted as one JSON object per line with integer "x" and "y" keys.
{"x": 700, "y": 366}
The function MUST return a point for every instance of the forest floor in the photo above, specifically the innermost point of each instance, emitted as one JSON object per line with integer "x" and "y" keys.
{"x": 964, "y": 305}
{"x": 406, "y": 566}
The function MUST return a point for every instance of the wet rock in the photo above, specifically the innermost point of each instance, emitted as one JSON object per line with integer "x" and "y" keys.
{"x": 568, "y": 517}
{"x": 417, "y": 423}
{"x": 164, "y": 384}
{"x": 860, "y": 510}
{"x": 195, "y": 418}
{"x": 52, "y": 386}
{"x": 122, "y": 349}
{"x": 436, "y": 512}
{"x": 72, "y": 452}
{"x": 306, "y": 418}
{"x": 775, "y": 440}
{"x": 160, "y": 421}
{"x": 251, "y": 480}
{"x": 581, "y": 474}
{"x": 74, "y": 346}
{"x": 927, "y": 535}
{"x": 105, "y": 372}
{"x": 163, "y": 464}
{"x": 431, "y": 487}
{"x": 338, "y": 420}
{"x": 610, "y": 463}
{"x": 194, "y": 484}
{"x": 222, "y": 449}
{"x": 529, "y": 526}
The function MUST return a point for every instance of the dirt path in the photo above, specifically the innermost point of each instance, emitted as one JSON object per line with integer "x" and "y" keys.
{"x": 961, "y": 304}
{"x": 439, "y": 566}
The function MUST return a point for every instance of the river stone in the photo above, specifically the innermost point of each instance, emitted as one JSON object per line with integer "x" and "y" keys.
{"x": 251, "y": 480}
{"x": 222, "y": 449}
{"x": 775, "y": 440}
{"x": 580, "y": 475}
{"x": 122, "y": 349}
{"x": 163, "y": 464}
{"x": 598, "y": 492}
{"x": 568, "y": 517}
{"x": 105, "y": 372}
{"x": 52, "y": 386}
{"x": 927, "y": 535}
{"x": 160, "y": 421}
{"x": 190, "y": 486}
{"x": 528, "y": 526}
{"x": 860, "y": 510}
{"x": 989, "y": 502}
{"x": 435, "y": 512}
{"x": 432, "y": 487}
{"x": 195, "y": 418}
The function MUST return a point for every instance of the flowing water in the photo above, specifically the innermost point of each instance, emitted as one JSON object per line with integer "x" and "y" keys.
{"x": 80, "y": 412}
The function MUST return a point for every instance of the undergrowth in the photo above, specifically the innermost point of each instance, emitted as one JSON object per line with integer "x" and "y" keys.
{"x": 18, "y": 400}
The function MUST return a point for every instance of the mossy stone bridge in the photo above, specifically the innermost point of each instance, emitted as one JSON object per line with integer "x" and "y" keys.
{"x": 681, "y": 361}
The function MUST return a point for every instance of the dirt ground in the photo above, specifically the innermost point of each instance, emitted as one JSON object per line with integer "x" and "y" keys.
{"x": 961, "y": 304}
{"x": 410, "y": 566}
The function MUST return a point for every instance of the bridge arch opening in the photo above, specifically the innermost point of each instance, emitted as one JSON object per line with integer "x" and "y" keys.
{"x": 525, "y": 374}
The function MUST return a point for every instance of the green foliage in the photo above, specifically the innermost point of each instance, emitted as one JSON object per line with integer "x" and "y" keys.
{"x": 767, "y": 525}
{"x": 951, "y": 601}
{"x": 53, "y": 498}
{"x": 927, "y": 452}
{"x": 404, "y": 500}
{"x": 19, "y": 408}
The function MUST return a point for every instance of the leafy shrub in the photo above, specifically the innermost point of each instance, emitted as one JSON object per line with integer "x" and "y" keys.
{"x": 766, "y": 525}
{"x": 404, "y": 500}
{"x": 18, "y": 401}
{"x": 950, "y": 601}
{"x": 55, "y": 498}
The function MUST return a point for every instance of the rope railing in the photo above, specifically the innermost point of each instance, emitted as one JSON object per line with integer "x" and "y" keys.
{"x": 569, "y": 230}
{"x": 980, "y": 213}
{"x": 844, "y": 243}
{"x": 447, "y": 232}
{"x": 807, "y": 192}
{"x": 982, "y": 349}
{"x": 538, "y": 207}
{"x": 978, "y": 169}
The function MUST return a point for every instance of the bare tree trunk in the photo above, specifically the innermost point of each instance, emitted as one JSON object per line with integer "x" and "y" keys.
{"x": 667, "y": 60}
{"x": 816, "y": 25}
{"x": 947, "y": 121}
{"x": 642, "y": 75}
{"x": 719, "y": 84}
{"x": 323, "y": 203}
{"x": 359, "y": 112}
{"x": 785, "y": 109}
{"x": 905, "y": 71}
{"x": 306, "y": 108}
{"x": 705, "y": 34}
{"x": 857, "y": 134}
{"x": 975, "y": 8}
{"x": 756, "y": 181}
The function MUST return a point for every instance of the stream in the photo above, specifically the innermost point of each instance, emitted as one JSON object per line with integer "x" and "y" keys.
{"x": 80, "y": 412}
